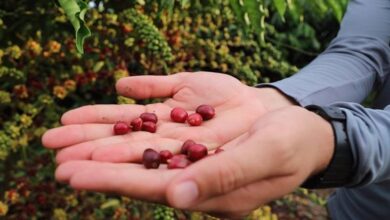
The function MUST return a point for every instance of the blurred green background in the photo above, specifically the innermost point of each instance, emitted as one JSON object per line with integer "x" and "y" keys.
{"x": 42, "y": 75}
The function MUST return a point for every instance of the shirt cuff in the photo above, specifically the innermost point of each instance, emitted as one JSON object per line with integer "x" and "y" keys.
{"x": 284, "y": 88}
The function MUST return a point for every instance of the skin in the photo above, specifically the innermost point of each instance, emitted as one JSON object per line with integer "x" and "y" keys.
{"x": 271, "y": 146}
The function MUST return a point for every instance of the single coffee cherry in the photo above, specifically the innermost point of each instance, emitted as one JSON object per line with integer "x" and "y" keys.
{"x": 149, "y": 117}
{"x": 165, "y": 155}
{"x": 121, "y": 127}
{"x": 206, "y": 111}
{"x": 179, "y": 115}
{"x": 149, "y": 126}
{"x": 195, "y": 119}
{"x": 151, "y": 159}
{"x": 218, "y": 150}
{"x": 136, "y": 124}
{"x": 186, "y": 144}
{"x": 179, "y": 161}
{"x": 196, "y": 152}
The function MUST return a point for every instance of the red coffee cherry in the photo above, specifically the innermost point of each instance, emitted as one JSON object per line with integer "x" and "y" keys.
{"x": 149, "y": 117}
{"x": 149, "y": 126}
{"x": 186, "y": 144}
{"x": 136, "y": 124}
{"x": 179, "y": 115}
{"x": 121, "y": 128}
{"x": 196, "y": 152}
{"x": 179, "y": 161}
{"x": 195, "y": 119}
{"x": 165, "y": 155}
{"x": 151, "y": 159}
{"x": 206, "y": 111}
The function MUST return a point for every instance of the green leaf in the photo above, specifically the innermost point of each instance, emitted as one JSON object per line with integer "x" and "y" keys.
{"x": 167, "y": 5}
{"x": 239, "y": 12}
{"x": 98, "y": 66}
{"x": 75, "y": 10}
{"x": 255, "y": 15}
{"x": 111, "y": 203}
{"x": 337, "y": 8}
{"x": 281, "y": 6}
{"x": 185, "y": 3}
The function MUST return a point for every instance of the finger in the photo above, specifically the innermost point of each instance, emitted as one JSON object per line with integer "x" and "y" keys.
{"x": 83, "y": 151}
{"x": 144, "y": 87}
{"x": 102, "y": 114}
{"x": 77, "y": 133}
{"x": 122, "y": 148}
{"x": 240, "y": 202}
{"x": 133, "y": 151}
{"x": 223, "y": 172}
{"x": 109, "y": 114}
{"x": 74, "y": 134}
{"x": 125, "y": 179}
{"x": 65, "y": 171}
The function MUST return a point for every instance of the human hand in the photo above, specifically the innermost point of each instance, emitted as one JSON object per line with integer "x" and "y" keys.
{"x": 87, "y": 131}
{"x": 271, "y": 159}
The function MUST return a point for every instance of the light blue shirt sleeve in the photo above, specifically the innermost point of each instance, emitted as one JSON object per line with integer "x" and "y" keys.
{"x": 355, "y": 61}
{"x": 369, "y": 133}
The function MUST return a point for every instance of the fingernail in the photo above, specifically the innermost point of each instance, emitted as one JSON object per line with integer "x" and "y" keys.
{"x": 185, "y": 194}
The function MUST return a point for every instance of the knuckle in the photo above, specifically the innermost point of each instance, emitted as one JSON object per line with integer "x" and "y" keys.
{"x": 229, "y": 176}
{"x": 282, "y": 151}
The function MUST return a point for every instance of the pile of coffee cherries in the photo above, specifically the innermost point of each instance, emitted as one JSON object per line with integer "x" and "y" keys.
{"x": 190, "y": 151}
{"x": 145, "y": 122}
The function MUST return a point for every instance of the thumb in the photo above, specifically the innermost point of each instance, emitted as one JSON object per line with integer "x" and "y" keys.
{"x": 144, "y": 87}
{"x": 220, "y": 174}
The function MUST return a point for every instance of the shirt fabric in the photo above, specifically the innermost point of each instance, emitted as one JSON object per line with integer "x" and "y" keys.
{"x": 356, "y": 62}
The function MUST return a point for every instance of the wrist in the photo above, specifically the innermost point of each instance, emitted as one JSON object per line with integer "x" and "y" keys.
{"x": 325, "y": 143}
{"x": 272, "y": 98}
{"x": 338, "y": 170}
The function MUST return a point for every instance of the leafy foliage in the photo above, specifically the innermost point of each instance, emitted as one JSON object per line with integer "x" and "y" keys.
{"x": 249, "y": 13}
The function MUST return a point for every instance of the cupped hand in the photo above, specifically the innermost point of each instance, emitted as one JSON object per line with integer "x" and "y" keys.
{"x": 271, "y": 159}
{"x": 87, "y": 131}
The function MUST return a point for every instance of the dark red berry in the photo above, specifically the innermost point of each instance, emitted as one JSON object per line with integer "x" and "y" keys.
{"x": 121, "y": 128}
{"x": 179, "y": 115}
{"x": 30, "y": 209}
{"x": 196, "y": 152}
{"x": 207, "y": 112}
{"x": 195, "y": 119}
{"x": 165, "y": 155}
{"x": 218, "y": 150}
{"x": 136, "y": 124}
{"x": 151, "y": 159}
{"x": 149, "y": 117}
{"x": 186, "y": 144}
{"x": 149, "y": 126}
{"x": 41, "y": 199}
{"x": 179, "y": 161}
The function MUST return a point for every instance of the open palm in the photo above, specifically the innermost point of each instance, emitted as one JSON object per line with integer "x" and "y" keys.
{"x": 268, "y": 161}
{"x": 87, "y": 131}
